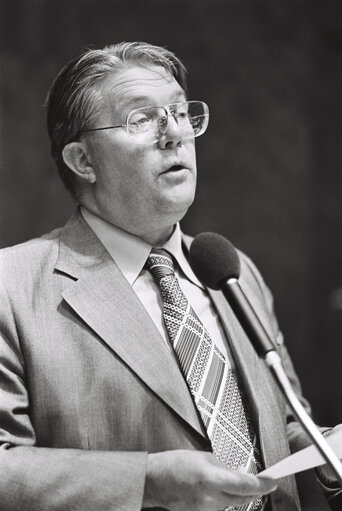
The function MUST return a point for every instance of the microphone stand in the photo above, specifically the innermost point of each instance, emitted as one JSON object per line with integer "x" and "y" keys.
{"x": 273, "y": 361}
{"x": 265, "y": 348}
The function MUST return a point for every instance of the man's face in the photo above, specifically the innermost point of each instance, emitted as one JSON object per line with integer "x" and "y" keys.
{"x": 143, "y": 189}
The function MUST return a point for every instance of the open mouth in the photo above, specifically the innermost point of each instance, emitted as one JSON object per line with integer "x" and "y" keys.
{"x": 175, "y": 168}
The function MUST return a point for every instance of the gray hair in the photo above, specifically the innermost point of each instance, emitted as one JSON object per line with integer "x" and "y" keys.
{"x": 73, "y": 100}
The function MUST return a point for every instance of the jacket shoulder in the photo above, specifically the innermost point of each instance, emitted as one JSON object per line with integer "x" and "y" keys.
{"x": 29, "y": 257}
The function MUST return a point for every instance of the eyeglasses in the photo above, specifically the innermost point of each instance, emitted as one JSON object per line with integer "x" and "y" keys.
{"x": 148, "y": 124}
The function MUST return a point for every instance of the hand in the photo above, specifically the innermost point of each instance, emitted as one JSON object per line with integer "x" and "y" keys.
{"x": 181, "y": 480}
{"x": 325, "y": 473}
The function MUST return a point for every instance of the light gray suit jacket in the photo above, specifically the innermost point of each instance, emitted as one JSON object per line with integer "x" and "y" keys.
{"x": 88, "y": 388}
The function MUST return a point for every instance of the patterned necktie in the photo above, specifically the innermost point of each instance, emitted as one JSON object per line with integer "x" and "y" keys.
{"x": 209, "y": 376}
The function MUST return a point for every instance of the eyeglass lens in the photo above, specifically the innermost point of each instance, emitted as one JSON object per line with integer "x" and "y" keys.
{"x": 148, "y": 124}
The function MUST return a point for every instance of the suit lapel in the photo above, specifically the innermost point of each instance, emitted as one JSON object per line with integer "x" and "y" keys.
{"x": 105, "y": 301}
{"x": 260, "y": 388}
{"x": 244, "y": 355}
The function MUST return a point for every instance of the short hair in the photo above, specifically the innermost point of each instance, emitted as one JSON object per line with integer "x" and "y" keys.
{"x": 73, "y": 99}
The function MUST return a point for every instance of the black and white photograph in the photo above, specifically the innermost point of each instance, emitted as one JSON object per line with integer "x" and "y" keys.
{"x": 170, "y": 255}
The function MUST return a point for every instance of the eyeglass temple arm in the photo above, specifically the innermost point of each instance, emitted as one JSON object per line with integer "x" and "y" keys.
{"x": 106, "y": 128}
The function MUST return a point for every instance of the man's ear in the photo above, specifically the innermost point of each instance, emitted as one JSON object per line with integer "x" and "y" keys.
{"x": 76, "y": 157}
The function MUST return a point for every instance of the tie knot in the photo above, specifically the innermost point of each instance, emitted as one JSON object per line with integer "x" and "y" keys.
{"x": 160, "y": 264}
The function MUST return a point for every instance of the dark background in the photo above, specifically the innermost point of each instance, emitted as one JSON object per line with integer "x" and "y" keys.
{"x": 269, "y": 164}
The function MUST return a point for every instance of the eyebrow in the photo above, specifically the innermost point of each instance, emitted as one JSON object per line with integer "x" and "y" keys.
{"x": 145, "y": 100}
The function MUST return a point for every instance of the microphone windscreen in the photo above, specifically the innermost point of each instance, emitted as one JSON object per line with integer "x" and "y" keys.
{"x": 214, "y": 259}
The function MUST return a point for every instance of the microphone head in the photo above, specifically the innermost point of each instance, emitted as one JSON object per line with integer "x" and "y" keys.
{"x": 214, "y": 259}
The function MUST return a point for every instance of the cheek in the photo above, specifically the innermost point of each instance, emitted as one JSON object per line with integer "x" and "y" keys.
{"x": 140, "y": 167}
{"x": 192, "y": 151}
{"x": 114, "y": 164}
{"x": 131, "y": 175}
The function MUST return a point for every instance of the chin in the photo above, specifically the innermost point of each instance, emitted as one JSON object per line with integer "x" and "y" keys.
{"x": 181, "y": 198}
{"x": 177, "y": 210}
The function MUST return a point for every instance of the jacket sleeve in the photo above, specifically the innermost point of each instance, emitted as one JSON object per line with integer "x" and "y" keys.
{"x": 53, "y": 479}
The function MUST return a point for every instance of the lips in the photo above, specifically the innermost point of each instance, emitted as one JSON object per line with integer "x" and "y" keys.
{"x": 175, "y": 168}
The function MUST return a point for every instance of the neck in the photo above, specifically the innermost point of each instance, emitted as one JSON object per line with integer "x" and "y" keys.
{"x": 155, "y": 237}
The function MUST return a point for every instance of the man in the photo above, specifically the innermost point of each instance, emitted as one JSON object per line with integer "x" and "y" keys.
{"x": 99, "y": 410}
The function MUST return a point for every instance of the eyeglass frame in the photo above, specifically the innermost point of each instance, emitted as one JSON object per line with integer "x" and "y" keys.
{"x": 167, "y": 114}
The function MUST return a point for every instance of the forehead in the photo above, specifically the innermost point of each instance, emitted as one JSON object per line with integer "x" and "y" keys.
{"x": 138, "y": 86}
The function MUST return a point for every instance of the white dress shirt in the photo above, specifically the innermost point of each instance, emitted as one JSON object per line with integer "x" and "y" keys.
{"x": 130, "y": 254}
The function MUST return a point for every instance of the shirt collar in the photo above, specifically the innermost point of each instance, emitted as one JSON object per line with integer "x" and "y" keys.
{"x": 130, "y": 252}
{"x": 174, "y": 245}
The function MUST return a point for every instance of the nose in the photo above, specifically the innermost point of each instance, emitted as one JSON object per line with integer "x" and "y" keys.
{"x": 172, "y": 137}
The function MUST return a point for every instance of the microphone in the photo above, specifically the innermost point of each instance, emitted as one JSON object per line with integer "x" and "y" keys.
{"x": 216, "y": 263}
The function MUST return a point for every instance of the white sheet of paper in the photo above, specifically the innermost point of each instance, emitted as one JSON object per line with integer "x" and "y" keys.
{"x": 303, "y": 460}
